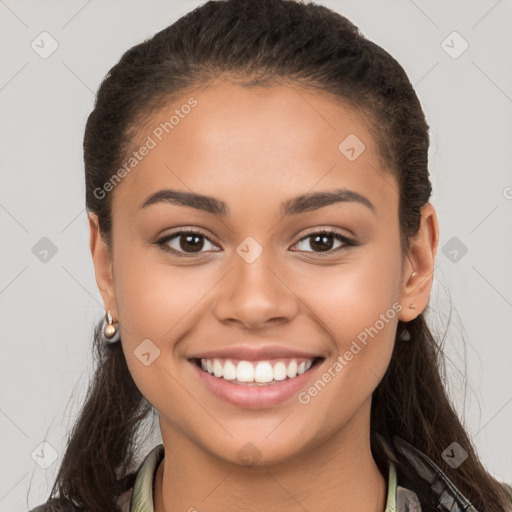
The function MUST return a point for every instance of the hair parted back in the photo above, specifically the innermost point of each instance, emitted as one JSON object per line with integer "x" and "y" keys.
{"x": 255, "y": 43}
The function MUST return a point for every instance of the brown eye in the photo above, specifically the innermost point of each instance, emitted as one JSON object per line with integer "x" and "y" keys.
{"x": 191, "y": 243}
{"x": 185, "y": 242}
{"x": 324, "y": 241}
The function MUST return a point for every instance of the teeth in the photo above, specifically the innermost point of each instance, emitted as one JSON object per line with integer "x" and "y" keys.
{"x": 229, "y": 370}
{"x": 261, "y": 372}
{"x": 217, "y": 368}
{"x": 279, "y": 371}
{"x": 291, "y": 371}
{"x": 244, "y": 372}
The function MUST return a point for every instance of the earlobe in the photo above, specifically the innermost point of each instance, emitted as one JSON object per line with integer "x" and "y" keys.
{"x": 419, "y": 270}
{"x": 102, "y": 261}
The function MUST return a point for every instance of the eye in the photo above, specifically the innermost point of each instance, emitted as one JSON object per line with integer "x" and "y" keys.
{"x": 324, "y": 240}
{"x": 185, "y": 242}
{"x": 192, "y": 243}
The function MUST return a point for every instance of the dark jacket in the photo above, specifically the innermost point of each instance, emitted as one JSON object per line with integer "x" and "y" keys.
{"x": 401, "y": 492}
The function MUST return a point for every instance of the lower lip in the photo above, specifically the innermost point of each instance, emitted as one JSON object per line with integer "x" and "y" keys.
{"x": 255, "y": 397}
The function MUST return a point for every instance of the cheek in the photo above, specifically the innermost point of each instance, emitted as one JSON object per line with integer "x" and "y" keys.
{"x": 153, "y": 296}
{"x": 157, "y": 304}
{"x": 357, "y": 306}
{"x": 350, "y": 297}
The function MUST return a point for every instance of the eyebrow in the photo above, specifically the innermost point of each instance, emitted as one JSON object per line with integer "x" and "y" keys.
{"x": 294, "y": 206}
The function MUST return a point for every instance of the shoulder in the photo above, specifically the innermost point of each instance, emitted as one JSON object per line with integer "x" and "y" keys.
{"x": 57, "y": 505}
{"x": 508, "y": 490}
{"x": 439, "y": 481}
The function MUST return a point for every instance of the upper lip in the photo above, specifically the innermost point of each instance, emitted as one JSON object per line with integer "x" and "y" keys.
{"x": 246, "y": 353}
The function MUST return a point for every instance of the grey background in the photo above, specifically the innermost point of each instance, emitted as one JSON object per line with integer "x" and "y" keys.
{"x": 48, "y": 308}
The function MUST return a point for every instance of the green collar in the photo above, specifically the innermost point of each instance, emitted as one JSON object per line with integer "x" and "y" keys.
{"x": 142, "y": 496}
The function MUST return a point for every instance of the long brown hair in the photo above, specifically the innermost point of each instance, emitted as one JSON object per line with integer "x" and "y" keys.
{"x": 256, "y": 42}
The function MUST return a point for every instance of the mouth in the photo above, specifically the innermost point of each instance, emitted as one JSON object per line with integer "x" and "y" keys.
{"x": 255, "y": 384}
{"x": 256, "y": 373}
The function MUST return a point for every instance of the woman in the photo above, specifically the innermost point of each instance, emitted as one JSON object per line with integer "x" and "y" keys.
{"x": 260, "y": 226}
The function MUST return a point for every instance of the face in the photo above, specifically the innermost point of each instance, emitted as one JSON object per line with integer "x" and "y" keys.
{"x": 292, "y": 263}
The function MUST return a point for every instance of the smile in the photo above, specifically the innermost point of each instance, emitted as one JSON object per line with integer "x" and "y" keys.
{"x": 255, "y": 372}
{"x": 255, "y": 384}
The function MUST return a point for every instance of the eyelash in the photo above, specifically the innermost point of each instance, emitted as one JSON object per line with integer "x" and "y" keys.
{"x": 348, "y": 242}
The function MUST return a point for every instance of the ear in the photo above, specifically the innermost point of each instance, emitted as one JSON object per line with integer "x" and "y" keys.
{"x": 419, "y": 266}
{"x": 102, "y": 260}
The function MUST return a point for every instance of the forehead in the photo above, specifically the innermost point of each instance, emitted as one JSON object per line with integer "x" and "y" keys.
{"x": 226, "y": 138}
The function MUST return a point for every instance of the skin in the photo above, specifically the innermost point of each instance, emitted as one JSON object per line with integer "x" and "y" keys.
{"x": 254, "y": 148}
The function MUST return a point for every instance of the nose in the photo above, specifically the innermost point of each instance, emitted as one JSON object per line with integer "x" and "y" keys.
{"x": 254, "y": 295}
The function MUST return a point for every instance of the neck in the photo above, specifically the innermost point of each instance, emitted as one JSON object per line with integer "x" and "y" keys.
{"x": 339, "y": 474}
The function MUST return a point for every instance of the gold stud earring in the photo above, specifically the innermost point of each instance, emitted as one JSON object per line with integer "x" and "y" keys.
{"x": 110, "y": 333}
